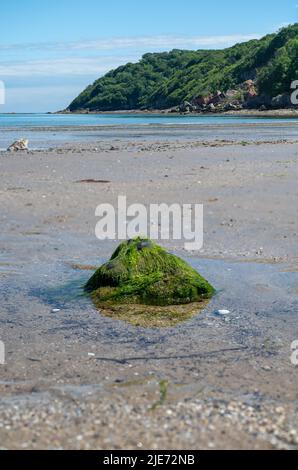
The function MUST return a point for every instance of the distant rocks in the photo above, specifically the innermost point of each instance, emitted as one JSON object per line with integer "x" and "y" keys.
{"x": 186, "y": 107}
{"x": 212, "y": 103}
{"x": 281, "y": 101}
{"x": 21, "y": 144}
{"x": 243, "y": 96}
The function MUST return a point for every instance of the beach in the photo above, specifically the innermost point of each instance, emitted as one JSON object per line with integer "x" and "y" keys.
{"x": 77, "y": 379}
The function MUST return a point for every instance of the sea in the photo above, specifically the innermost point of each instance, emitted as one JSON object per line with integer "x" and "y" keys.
{"x": 53, "y": 130}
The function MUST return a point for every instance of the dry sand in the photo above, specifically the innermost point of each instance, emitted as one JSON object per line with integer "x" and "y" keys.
{"x": 76, "y": 379}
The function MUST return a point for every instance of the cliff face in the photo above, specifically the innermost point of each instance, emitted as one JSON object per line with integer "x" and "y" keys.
{"x": 252, "y": 74}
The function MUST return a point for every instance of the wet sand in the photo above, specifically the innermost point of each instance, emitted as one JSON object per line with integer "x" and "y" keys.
{"x": 45, "y": 132}
{"x": 77, "y": 379}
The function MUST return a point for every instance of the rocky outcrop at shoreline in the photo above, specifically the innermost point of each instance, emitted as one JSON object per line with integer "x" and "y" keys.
{"x": 245, "y": 96}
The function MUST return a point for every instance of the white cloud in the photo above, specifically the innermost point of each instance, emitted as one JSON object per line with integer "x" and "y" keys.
{"x": 145, "y": 42}
{"x": 100, "y": 64}
{"x": 65, "y": 66}
{"x": 161, "y": 42}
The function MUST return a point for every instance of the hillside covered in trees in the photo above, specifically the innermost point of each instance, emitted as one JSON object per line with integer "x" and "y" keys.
{"x": 250, "y": 74}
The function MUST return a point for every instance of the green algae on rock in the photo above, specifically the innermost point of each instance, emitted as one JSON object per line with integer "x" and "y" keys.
{"x": 143, "y": 281}
{"x": 142, "y": 272}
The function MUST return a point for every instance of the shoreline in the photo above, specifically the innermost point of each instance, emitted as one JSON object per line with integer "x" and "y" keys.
{"x": 290, "y": 112}
{"x": 52, "y": 132}
{"x": 282, "y": 112}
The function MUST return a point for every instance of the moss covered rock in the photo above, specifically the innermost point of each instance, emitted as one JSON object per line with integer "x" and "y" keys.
{"x": 141, "y": 273}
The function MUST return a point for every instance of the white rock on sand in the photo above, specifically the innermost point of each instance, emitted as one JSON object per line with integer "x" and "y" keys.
{"x": 21, "y": 144}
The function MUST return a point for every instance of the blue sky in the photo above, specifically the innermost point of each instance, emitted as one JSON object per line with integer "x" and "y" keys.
{"x": 49, "y": 51}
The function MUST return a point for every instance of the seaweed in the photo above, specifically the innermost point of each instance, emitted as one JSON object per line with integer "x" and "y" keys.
{"x": 141, "y": 273}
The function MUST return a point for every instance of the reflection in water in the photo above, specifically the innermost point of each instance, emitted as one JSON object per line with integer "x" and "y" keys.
{"x": 152, "y": 316}
{"x": 64, "y": 296}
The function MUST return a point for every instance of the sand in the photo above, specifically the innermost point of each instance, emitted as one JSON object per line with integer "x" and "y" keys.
{"x": 75, "y": 379}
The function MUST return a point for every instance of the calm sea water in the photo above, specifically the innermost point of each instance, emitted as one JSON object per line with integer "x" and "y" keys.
{"x": 44, "y": 130}
{"x": 37, "y": 120}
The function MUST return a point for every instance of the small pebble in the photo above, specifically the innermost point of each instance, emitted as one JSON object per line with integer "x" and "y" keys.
{"x": 222, "y": 312}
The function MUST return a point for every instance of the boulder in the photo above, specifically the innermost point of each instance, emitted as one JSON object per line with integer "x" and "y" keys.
{"x": 186, "y": 107}
{"x": 211, "y": 107}
{"x": 281, "y": 101}
{"x": 216, "y": 98}
{"x": 202, "y": 101}
{"x": 232, "y": 107}
{"x": 141, "y": 272}
{"x": 21, "y": 144}
{"x": 257, "y": 101}
{"x": 230, "y": 94}
{"x": 249, "y": 90}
